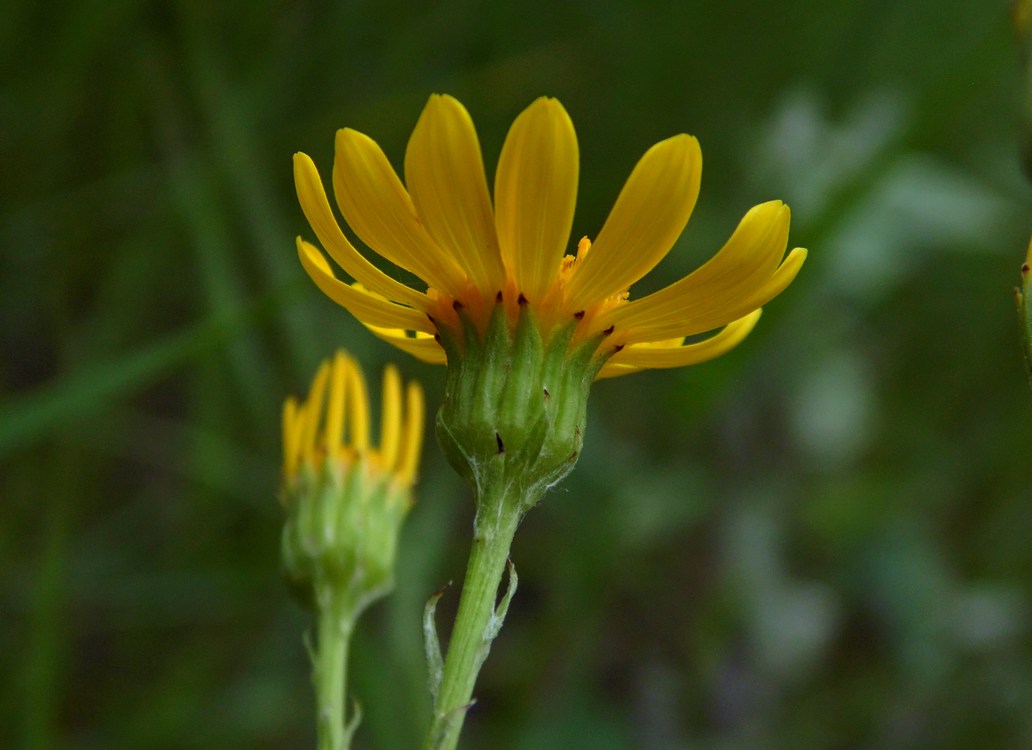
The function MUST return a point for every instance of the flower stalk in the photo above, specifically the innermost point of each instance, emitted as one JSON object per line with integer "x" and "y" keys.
{"x": 478, "y": 621}
{"x": 337, "y": 617}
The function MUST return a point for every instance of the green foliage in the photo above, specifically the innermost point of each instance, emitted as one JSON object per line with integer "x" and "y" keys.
{"x": 819, "y": 540}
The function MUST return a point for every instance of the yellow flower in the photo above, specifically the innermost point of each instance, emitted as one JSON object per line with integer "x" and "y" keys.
{"x": 331, "y": 426}
{"x": 441, "y": 226}
{"x": 346, "y": 499}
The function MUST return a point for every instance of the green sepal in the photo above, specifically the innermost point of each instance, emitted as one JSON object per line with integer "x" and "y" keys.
{"x": 341, "y": 533}
{"x": 515, "y": 402}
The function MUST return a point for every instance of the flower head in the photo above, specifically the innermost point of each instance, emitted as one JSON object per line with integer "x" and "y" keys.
{"x": 476, "y": 255}
{"x": 346, "y": 498}
{"x": 523, "y": 327}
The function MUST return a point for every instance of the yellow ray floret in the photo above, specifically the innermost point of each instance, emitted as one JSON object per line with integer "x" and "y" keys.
{"x": 473, "y": 254}
{"x": 676, "y": 353}
{"x": 332, "y": 423}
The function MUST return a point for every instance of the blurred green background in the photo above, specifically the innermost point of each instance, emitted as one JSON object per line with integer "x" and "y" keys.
{"x": 821, "y": 540}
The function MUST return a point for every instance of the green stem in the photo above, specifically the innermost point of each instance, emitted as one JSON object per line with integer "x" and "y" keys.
{"x": 477, "y": 621}
{"x": 329, "y": 669}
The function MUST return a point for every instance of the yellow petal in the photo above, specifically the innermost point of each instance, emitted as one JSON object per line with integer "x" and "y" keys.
{"x": 390, "y": 417}
{"x": 379, "y": 209}
{"x": 535, "y": 194}
{"x": 316, "y": 207}
{"x": 313, "y": 412}
{"x": 777, "y": 283}
{"x": 365, "y": 306}
{"x": 291, "y": 437}
{"x": 412, "y": 434}
{"x": 722, "y": 290}
{"x": 358, "y": 412}
{"x": 444, "y": 172}
{"x": 644, "y": 356}
{"x": 335, "y": 405}
{"x": 645, "y": 222}
{"x": 423, "y": 347}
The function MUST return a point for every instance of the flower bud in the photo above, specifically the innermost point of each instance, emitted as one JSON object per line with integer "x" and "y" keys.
{"x": 346, "y": 499}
